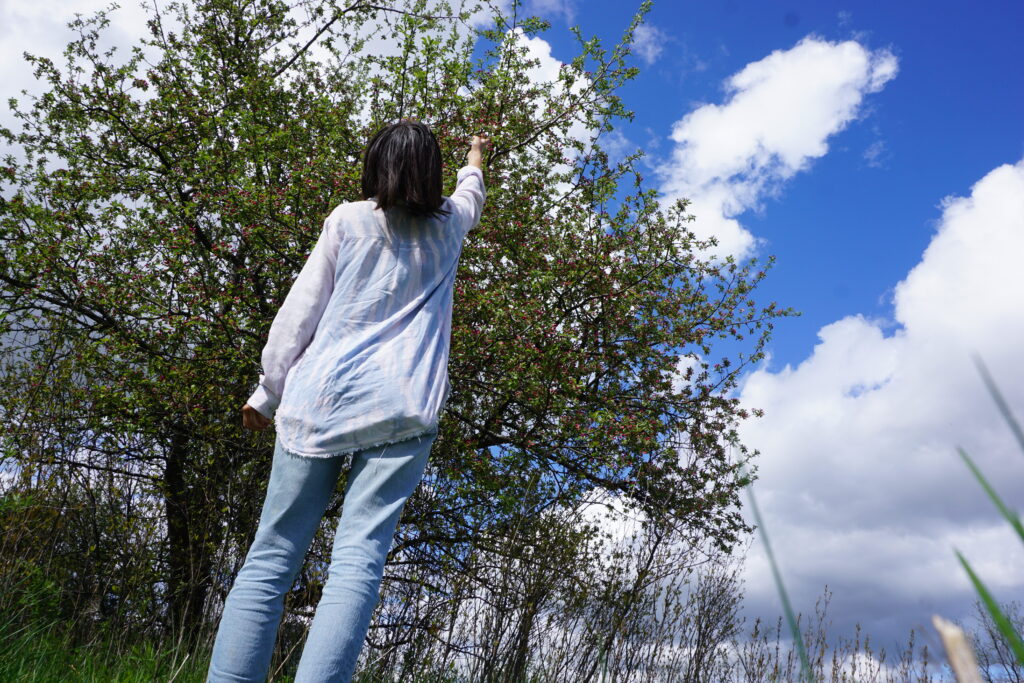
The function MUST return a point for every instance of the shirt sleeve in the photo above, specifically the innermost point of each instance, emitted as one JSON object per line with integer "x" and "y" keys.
{"x": 296, "y": 321}
{"x": 468, "y": 197}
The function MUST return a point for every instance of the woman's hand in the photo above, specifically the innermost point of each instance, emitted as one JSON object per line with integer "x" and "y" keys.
{"x": 476, "y": 148}
{"x": 254, "y": 419}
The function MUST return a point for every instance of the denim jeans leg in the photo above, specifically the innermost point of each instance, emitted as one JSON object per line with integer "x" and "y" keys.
{"x": 379, "y": 483}
{"x": 297, "y": 496}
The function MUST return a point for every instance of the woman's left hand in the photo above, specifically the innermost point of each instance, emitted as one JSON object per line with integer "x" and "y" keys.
{"x": 254, "y": 419}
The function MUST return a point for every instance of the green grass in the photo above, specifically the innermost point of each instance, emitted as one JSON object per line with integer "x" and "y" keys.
{"x": 794, "y": 628}
{"x": 45, "y": 653}
{"x": 1001, "y": 621}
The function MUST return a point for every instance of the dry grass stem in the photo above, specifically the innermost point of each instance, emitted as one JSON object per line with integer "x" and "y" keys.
{"x": 958, "y": 651}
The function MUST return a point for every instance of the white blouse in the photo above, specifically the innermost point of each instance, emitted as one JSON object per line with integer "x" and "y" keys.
{"x": 357, "y": 355}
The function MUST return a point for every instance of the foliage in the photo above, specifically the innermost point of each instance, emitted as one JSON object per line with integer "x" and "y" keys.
{"x": 154, "y": 217}
{"x": 46, "y": 652}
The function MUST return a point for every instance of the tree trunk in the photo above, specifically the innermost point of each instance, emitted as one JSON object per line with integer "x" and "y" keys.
{"x": 187, "y": 560}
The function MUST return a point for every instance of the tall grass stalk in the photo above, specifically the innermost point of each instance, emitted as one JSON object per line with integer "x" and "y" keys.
{"x": 794, "y": 628}
{"x": 997, "y": 396}
{"x": 1001, "y": 621}
{"x": 45, "y": 653}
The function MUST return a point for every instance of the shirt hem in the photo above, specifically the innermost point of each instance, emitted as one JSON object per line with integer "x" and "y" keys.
{"x": 354, "y": 449}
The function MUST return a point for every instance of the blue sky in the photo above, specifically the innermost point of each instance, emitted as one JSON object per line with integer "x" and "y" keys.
{"x": 895, "y": 220}
{"x": 847, "y": 229}
{"x": 877, "y": 150}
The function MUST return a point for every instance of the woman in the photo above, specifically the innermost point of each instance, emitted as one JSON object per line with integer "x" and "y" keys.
{"x": 355, "y": 372}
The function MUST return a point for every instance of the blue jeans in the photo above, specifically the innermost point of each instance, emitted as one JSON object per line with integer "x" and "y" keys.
{"x": 379, "y": 482}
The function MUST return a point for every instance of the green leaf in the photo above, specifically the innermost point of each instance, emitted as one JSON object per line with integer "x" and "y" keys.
{"x": 1001, "y": 621}
{"x": 1004, "y": 407}
{"x": 1012, "y": 517}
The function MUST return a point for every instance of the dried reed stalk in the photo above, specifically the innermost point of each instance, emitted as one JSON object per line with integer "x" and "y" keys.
{"x": 958, "y": 651}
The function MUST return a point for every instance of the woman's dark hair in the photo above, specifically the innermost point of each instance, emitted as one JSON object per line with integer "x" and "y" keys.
{"x": 402, "y": 167}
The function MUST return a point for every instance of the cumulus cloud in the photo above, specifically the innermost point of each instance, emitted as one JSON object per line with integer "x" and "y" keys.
{"x": 553, "y": 8}
{"x": 779, "y": 114}
{"x": 860, "y": 484}
{"x": 41, "y": 29}
{"x": 648, "y": 42}
{"x": 545, "y": 72}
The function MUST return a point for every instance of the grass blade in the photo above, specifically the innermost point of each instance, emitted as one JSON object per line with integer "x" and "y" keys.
{"x": 1004, "y": 407}
{"x": 1012, "y": 517}
{"x": 1013, "y": 638}
{"x": 805, "y": 665}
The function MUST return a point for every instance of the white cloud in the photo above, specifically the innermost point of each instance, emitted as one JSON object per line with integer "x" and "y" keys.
{"x": 546, "y": 71}
{"x": 683, "y": 365}
{"x": 41, "y": 28}
{"x": 860, "y": 484}
{"x": 648, "y": 42}
{"x": 549, "y": 8}
{"x": 617, "y": 145}
{"x": 873, "y": 153}
{"x": 779, "y": 114}
{"x": 545, "y": 9}
{"x": 547, "y": 68}
{"x": 620, "y": 526}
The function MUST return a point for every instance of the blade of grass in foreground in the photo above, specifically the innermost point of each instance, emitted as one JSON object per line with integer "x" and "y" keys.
{"x": 1002, "y": 623}
{"x": 805, "y": 665}
{"x": 1004, "y": 407}
{"x": 1012, "y": 517}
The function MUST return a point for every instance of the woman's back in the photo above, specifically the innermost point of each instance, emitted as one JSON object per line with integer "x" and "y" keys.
{"x": 374, "y": 304}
